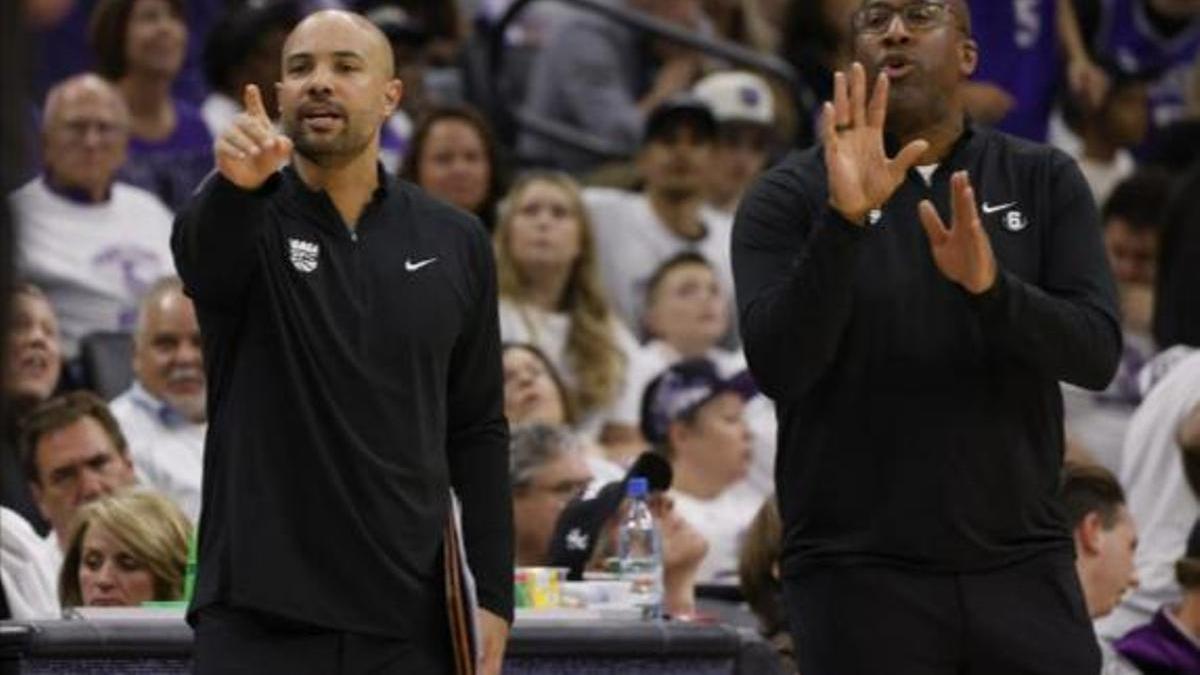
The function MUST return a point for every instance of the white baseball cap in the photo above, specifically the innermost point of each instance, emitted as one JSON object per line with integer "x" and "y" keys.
{"x": 737, "y": 96}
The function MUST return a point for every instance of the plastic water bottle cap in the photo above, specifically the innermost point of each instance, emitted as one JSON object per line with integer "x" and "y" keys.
{"x": 638, "y": 487}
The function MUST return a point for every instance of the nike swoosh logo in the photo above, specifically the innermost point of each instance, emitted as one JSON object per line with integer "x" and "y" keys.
{"x": 987, "y": 208}
{"x": 410, "y": 266}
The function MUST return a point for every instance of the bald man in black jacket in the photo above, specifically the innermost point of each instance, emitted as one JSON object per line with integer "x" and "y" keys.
{"x": 353, "y": 358}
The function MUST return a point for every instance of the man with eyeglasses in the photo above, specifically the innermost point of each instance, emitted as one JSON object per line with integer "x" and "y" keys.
{"x": 911, "y": 292}
{"x": 548, "y": 470}
{"x": 93, "y": 244}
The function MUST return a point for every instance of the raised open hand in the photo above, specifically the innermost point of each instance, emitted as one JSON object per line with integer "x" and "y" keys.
{"x": 250, "y": 149}
{"x": 861, "y": 177}
{"x": 963, "y": 253}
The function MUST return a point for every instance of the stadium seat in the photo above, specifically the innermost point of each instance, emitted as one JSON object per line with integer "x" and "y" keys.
{"x": 106, "y": 359}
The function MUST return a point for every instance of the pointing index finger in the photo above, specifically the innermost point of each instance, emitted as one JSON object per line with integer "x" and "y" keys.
{"x": 254, "y": 103}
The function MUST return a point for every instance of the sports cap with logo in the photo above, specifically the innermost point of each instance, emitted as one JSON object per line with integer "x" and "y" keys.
{"x": 737, "y": 97}
{"x": 582, "y": 522}
{"x": 681, "y": 389}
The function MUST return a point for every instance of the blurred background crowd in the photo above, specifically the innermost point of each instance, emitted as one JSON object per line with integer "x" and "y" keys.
{"x": 605, "y": 145}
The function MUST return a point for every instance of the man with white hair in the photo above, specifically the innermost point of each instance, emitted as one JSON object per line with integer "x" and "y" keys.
{"x": 163, "y": 412}
{"x": 92, "y": 244}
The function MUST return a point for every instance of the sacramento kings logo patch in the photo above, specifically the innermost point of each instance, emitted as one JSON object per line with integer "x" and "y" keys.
{"x": 304, "y": 254}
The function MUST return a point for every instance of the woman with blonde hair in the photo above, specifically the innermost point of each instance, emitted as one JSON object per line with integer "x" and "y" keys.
{"x": 551, "y": 297}
{"x": 125, "y": 549}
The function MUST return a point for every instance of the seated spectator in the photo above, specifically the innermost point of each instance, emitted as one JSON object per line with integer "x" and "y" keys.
{"x": 687, "y": 312}
{"x": 1105, "y": 541}
{"x": 533, "y": 390}
{"x": 696, "y": 420}
{"x": 550, "y": 296}
{"x": 637, "y": 231}
{"x": 1133, "y": 224}
{"x": 1159, "y": 498}
{"x": 602, "y": 78}
{"x": 547, "y": 471}
{"x": 93, "y": 244}
{"x": 163, "y": 413}
{"x": 31, "y": 374}
{"x": 454, "y": 157}
{"x": 27, "y": 567}
{"x": 1107, "y": 133}
{"x": 1170, "y": 643}
{"x": 123, "y": 550}
{"x": 1132, "y": 221}
{"x": 585, "y": 537}
{"x": 140, "y": 47}
{"x": 758, "y": 574}
{"x": 244, "y": 47}
{"x": 744, "y": 108}
{"x": 534, "y": 394}
{"x": 72, "y": 453}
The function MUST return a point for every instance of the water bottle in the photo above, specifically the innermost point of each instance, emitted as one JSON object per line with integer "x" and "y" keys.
{"x": 640, "y": 551}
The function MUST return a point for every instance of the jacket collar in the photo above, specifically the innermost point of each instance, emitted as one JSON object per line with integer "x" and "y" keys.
{"x": 321, "y": 208}
{"x": 960, "y": 151}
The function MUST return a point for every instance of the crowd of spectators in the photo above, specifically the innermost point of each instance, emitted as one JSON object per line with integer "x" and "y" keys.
{"x": 621, "y": 353}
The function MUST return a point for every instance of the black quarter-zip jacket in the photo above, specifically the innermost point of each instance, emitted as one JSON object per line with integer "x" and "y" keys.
{"x": 354, "y": 377}
{"x": 920, "y": 426}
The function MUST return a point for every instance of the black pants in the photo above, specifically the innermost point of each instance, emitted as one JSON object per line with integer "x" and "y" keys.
{"x": 1027, "y": 619}
{"x": 236, "y": 642}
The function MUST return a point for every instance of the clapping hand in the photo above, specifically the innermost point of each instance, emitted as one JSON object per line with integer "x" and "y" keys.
{"x": 861, "y": 177}
{"x": 963, "y": 252}
{"x": 250, "y": 150}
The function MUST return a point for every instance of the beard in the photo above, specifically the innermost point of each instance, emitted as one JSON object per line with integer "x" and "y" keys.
{"x": 191, "y": 406}
{"x": 348, "y": 142}
{"x": 191, "y": 402}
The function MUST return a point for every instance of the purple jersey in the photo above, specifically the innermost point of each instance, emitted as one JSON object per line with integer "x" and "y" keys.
{"x": 173, "y": 167}
{"x": 1127, "y": 36}
{"x": 1018, "y": 52}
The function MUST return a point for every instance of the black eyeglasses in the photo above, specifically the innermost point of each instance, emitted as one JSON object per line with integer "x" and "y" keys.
{"x": 917, "y": 16}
